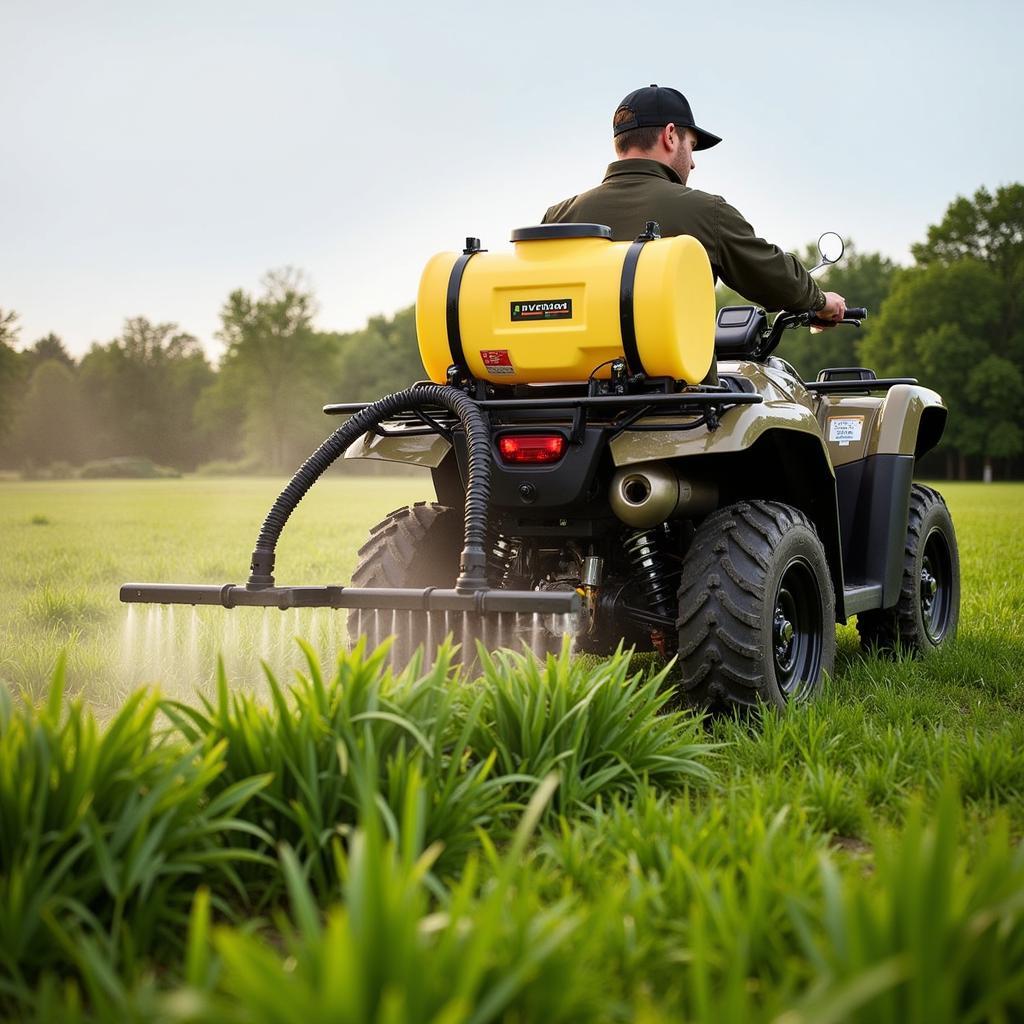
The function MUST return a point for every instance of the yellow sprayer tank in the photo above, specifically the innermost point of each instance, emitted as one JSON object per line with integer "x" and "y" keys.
{"x": 565, "y": 303}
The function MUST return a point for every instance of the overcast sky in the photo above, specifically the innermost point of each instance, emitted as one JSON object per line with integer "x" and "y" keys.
{"x": 156, "y": 155}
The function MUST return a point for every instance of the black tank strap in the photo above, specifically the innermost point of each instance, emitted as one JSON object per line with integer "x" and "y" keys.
{"x": 452, "y": 302}
{"x": 627, "y": 324}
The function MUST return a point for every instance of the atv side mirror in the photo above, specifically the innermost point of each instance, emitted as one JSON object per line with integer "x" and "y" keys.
{"x": 830, "y": 248}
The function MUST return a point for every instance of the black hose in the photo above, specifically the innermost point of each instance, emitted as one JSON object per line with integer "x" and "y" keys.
{"x": 473, "y": 562}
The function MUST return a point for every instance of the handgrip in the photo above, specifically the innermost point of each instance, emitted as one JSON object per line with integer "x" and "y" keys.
{"x": 854, "y": 314}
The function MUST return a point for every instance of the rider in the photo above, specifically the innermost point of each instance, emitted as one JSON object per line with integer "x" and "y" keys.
{"x": 655, "y": 138}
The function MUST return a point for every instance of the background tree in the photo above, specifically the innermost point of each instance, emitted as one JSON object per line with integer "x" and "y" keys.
{"x": 139, "y": 393}
{"x": 382, "y": 358}
{"x": 49, "y": 424}
{"x": 48, "y": 347}
{"x": 954, "y": 320}
{"x": 11, "y": 374}
{"x": 277, "y": 371}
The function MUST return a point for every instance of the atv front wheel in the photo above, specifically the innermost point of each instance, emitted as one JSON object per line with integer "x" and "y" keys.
{"x": 756, "y": 608}
{"x": 926, "y": 616}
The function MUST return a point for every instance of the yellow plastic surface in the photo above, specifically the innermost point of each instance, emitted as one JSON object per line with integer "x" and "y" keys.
{"x": 673, "y": 311}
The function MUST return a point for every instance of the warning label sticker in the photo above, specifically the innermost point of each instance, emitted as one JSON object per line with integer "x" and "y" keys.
{"x": 496, "y": 361}
{"x": 844, "y": 429}
{"x": 549, "y": 309}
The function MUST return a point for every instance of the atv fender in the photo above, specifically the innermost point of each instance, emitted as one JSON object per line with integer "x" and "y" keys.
{"x": 426, "y": 450}
{"x": 911, "y": 422}
{"x": 738, "y": 430}
{"x": 874, "y": 476}
{"x": 763, "y": 452}
{"x": 907, "y": 420}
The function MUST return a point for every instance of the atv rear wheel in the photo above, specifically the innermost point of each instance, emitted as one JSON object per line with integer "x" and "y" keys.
{"x": 420, "y": 546}
{"x": 926, "y": 616}
{"x": 756, "y": 608}
{"x": 415, "y": 546}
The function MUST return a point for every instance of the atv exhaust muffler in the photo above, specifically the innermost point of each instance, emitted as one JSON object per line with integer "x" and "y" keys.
{"x": 647, "y": 494}
{"x": 428, "y": 599}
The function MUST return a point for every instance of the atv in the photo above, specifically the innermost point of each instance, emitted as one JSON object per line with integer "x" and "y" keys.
{"x": 729, "y": 523}
{"x": 614, "y": 461}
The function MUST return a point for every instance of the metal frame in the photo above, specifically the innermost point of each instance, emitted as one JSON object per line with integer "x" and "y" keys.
{"x": 708, "y": 406}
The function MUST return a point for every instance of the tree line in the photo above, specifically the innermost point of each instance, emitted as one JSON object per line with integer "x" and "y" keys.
{"x": 152, "y": 392}
{"x": 952, "y": 319}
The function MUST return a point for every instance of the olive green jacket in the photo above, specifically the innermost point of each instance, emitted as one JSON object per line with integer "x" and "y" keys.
{"x": 636, "y": 191}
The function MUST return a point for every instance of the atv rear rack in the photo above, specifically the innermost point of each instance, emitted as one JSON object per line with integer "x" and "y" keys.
{"x": 622, "y": 411}
{"x": 428, "y": 599}
{"x": 686, "y": 401}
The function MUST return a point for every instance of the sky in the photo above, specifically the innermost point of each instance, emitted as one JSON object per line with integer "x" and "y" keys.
{"x": 156, "y": 155}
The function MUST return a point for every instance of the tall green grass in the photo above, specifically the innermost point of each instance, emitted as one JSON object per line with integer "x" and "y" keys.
{"x": 546, "y": 841}
{"x": 601, "y": 726}
{"x": 316, "y": 739}
{"x": 107, "y": 831}
{"x": 104, "y": 834}
{"x": 287, "y": 861}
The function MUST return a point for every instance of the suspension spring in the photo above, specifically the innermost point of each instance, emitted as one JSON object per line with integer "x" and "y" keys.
{"x": 651, "y": 569}
{"x": 501, "y": 553}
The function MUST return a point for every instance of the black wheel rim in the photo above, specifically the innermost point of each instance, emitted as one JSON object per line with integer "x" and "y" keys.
{"x": 936, "y": 585}
{"x": 797, "y": 629}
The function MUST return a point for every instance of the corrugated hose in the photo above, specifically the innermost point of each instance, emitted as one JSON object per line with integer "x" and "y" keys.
{"x": 473, "y": 561}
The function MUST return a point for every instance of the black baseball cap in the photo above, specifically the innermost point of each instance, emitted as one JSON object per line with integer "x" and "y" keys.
{"x": 656, "y": 106}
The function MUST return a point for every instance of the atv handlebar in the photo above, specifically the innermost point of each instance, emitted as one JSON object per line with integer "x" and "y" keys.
{"x": 807, "y": 318}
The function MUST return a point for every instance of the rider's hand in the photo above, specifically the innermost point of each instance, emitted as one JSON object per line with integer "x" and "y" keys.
{"x": 833, "y": 311}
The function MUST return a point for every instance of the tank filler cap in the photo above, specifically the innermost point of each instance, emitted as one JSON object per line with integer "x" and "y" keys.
{"x": 542, "y": 232}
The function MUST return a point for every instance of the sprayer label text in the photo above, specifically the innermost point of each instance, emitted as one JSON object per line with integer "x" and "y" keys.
{"x": 549, "y": 309}
{"x": 496, "y": 361}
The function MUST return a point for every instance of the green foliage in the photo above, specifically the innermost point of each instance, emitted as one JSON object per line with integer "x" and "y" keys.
{"x": 602, "y": 728}
{"x": 949, "y": 933}
{"x": 11, "y": 371}
{"x": 381, "y": 358}
{"x": 63, "y": 606}
{"x": 103, "y": 833}
{"x": 45, "y": 349}
{"x": 493, "y": 951}
{"x": 988, "y": 228}
{"x": 942, "y": 324}
{"x": 48, "y": 427}
{"x": 955, "y": 320}
{"x": 138, "y": 393}
{"x": 9, "y": 328}
{"x": 325, "y": 740}
{"x": 414, "y": 858}
{"x": 275, "y": 374}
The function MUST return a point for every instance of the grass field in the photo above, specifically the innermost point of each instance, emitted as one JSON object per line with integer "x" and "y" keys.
{"x": 532, "y": 845}
{"x": 70, "y": 547}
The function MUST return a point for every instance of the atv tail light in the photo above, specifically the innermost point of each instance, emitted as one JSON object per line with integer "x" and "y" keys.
{"x": 531, "y": 448}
